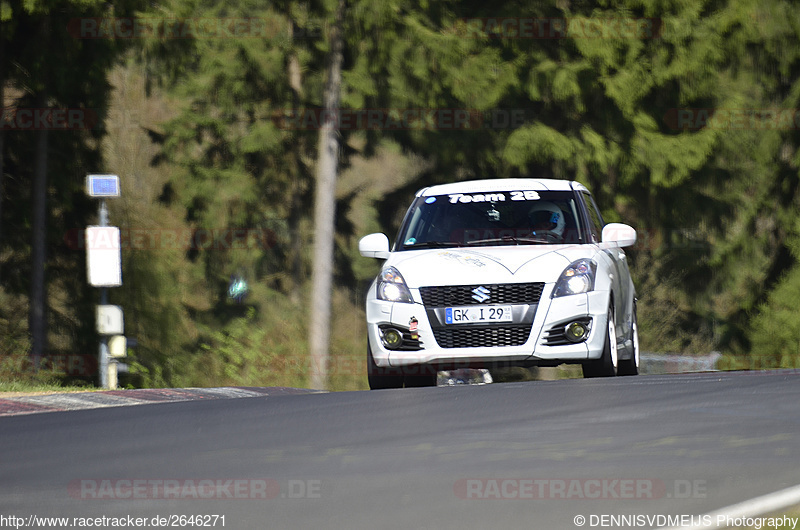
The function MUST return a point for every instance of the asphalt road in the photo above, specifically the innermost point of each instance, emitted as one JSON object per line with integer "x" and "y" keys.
{"x": 520, "y": 455}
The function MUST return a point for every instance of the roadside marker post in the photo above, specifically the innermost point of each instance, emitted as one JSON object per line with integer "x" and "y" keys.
{"x": 104, "y": 270}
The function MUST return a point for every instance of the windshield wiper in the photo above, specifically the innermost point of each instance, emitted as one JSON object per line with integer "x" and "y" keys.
{"x": 511, "y": 239}
{"x": 431, "y": 244}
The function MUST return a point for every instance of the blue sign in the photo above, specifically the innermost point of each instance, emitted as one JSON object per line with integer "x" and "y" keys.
{"x": 102, "y": 185}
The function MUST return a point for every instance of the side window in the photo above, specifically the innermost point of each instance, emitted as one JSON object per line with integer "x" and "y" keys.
{"x": 595, "y": 219}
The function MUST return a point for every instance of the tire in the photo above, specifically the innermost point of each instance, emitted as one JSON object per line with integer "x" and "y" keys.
{"x": 381, "y": 378}
{"x": 631, "y": 366}
{"x": 606, "y": 365}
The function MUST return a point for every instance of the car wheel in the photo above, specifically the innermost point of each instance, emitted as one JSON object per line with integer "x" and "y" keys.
{"x": 380, "y": 378}
{"x": 606, "y": 365}
{"x": 631, "y": 366}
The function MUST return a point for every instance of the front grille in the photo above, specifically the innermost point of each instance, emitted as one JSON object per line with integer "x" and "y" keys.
{"x": 482, "y": 336}
{"x": 556, "y": 335}
{"x": 502, "y": 293}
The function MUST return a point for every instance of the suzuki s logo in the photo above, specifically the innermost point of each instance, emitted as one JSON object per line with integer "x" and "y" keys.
{"x": 480, "y": 294}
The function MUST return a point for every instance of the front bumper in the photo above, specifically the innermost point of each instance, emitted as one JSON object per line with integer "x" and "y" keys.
{"x": 546, "y": 314}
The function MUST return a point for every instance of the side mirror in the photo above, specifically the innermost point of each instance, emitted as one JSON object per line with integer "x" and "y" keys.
{"x": 374, "y": 246}
{"x": 619, "y": 234}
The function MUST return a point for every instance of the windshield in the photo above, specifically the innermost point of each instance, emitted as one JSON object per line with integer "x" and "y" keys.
{"x": 497, "y": 218}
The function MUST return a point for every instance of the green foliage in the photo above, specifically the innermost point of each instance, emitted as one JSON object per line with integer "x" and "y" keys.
{"x": 263, "y": 346}
{"x": 13, "y": 326}
{"x": 71, "y": 75}
{"x": 774, "y": 333}
{"x": 247, "y": 351}
{"x": 539, "y": 143}
{"x": 715, "y": 205}
{"x": 17, "y": 374}
{"x": 775, "y": 330}
{"x": 236, "y": 165}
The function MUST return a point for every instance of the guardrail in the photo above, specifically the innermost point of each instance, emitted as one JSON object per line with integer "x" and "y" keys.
{"x": 665, "y": 363}
{"x": 649, "y": 363}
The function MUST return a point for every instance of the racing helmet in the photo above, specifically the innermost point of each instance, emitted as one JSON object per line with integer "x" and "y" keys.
{"x": 547, "y": 218}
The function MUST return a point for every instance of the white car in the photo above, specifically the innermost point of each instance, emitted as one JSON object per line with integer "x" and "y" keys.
{"x": 498, "y": 273}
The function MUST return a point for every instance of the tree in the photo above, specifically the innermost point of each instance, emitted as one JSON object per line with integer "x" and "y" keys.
{"x": 712, "y": 204}
{"x": 4, "y": 14}
{"x": 325, "y": 209}
{"x": 604, "y": 111}
{"x": 43, "y": 83}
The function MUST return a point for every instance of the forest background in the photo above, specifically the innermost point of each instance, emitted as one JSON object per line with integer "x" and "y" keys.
{"x": 680, "y": 116}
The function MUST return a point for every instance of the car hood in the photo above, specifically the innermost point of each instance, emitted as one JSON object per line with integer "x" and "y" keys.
{"x": 507, "y": 264}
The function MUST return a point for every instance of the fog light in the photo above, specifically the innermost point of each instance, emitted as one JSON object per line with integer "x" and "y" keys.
{"x": 392, "y": 338}
{"x": 576, "y": 331}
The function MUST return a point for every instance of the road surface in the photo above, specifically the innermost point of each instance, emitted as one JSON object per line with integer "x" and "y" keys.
{"x": 517, "y": 455}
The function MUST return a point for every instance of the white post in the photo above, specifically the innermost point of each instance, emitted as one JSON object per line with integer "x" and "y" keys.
{"x": 103, "y": 361}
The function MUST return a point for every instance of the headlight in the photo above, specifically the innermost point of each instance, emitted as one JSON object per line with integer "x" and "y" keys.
{"x": 392, "y": 287}
{"x": 576, "y": 279}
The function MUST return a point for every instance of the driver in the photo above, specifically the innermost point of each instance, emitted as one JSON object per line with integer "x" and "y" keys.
{"x": 547, "y": 219}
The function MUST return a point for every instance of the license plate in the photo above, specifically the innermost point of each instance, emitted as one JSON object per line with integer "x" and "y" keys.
{"x": 477, "y": 314}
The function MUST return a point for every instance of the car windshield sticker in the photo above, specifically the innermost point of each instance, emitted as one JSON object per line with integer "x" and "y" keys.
{"x": 411, "y": 241}
{"x": 430, "y": 200}
{"x": 528, "y": 195}
{"x": 477, "y": 197}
